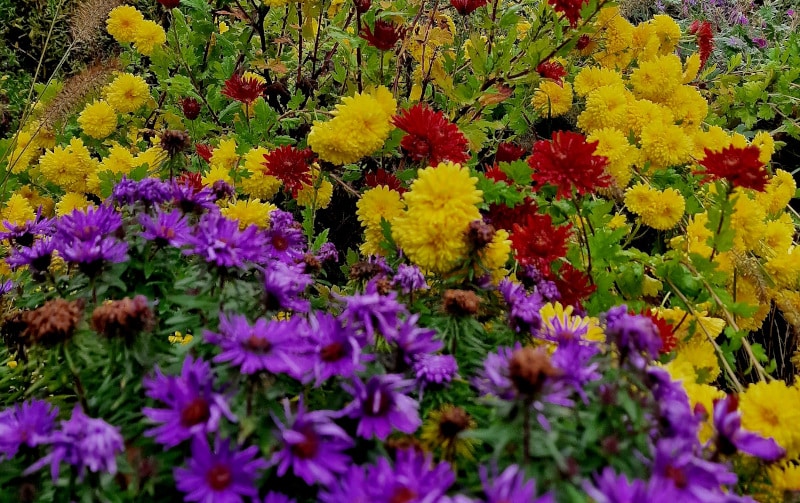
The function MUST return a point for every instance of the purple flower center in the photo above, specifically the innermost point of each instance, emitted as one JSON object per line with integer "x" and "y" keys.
{"x": 258, "y": 345}
{"x": 308, "y": 447}
{"x": 403, "y": 495}
{"x": 219, "y": 477}
{"x": 378, "y": 403}
{"x": 332, "y": 352}
{"x": 195, "y": 413}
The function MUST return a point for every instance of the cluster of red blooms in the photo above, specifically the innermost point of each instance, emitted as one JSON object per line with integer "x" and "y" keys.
{"x": 193, "y": 180}
{"x": 504, "y": 217}
{"x": 570, "y": 8}
{"x": 573, "y": 285}
{"x": 508, "y": 152}
{"x": 384, "y": 36}
{"x": 430, "y": 137}
{"x": 705, "y": 38}
{"x": 291, "y": 166}
{"x": 204, "y": 151}
{"x": 467, "y": 7}
{"x": 383, "y": 177}
{"x": 537, "y": 242}
{"x": 568, "y": 162}
{"x": 665, "y": 331}
{"x": 243, "y": 89}
{"x": 551, "y": 70}
{"x": 739, "y": 165}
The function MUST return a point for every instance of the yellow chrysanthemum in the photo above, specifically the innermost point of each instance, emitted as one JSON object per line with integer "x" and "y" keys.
{"x": 559, "y": 322}
{"x": 778, "y": 236}
{"x": 763, "y": 140}
{"x": 319, "y": 197}
{"x": 153, "y": 157}
{"x": 698, "y": 234}
{"x": 666, "y": 145}
{"x": 659, "y": 209}
{"x": 120, "y": 160}
{"x": 779, "y": 191}
{"x": 642, "y": 113}
{"x": 690, "y": 68}
{"x": 617, "y": 221}
{"x": 69, "y": 167}
{"x": 688, "y": 106}
{"x": 551, "y": 99}
{"x": 715, "y": 139}
{"x": 123, "y": 22}
{"x": 656, "y": 79}
{"x": 703, "y": 395}
{"x": 594, "y": 77}
{"x": 667, "y": 31}
{"x": 259, "y": 183}
{"x": 179, "y": 338}
{"x": 747, "y": 221}
{"x": 217, "y": 173}
{"x": 70, "y": 202}
{"x": 748, "y": 292}
{"x": 606, "y": 107}
{"x": 613, "y": 144}
{"x": 762, "y": 413}
{"x": 440, "y": 205}
{"x": 645, "y": 42}
{"x": 700, "y": 354}
{"x": 494, "y": 256}
{"x": 98, "y": 120}
{"x": 369, "y": 114}
{"x": 17, "y": 211}
{"x": 638, "y": 198}
{"x": 36, "y": 199}
{"x": 252, "y": 212}
{"x": 373, "y": 237}
{"x": 25, "y": 151}
{"x": 225, "y": 156}
{"x": 616, "y": 47}
{"x": 784, "y": 483}
{"x": 147, "y": 36}
{"x": 784, "y": 268}
{"x": 378, "y": 203}
{"x": 127, "y": 93}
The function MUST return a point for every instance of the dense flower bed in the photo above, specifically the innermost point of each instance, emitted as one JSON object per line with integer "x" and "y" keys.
{"x": 399, "y": 252}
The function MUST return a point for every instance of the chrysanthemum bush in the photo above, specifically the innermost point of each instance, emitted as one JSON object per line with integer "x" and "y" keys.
{"x": 395, "y": 252}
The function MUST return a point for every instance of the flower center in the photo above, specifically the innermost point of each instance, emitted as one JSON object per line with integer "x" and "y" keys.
{"x": 258, "y": 345}
{"x": 307, "y": 448}
{"x": 677, "y": 475}
{"x": 195, "y": 413}
{"x": 219, "y": 477}
{"x": 403, "y": 495}
{"x": 378, "y": 403}
{"x": 332, "y": 352}
{"x": 280, "y": 243}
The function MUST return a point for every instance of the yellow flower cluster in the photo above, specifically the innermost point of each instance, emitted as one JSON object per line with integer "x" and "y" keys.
{"x": 258, "y": 182}
{"x": 659, "y": 209}
{"x": 766, "y": 410}
{"x": 318, "y": 193}
{"x": 376, "y": 204}
{"x": 70, "y": 167}
{"x": 31, "y": 141}
{"x": 98, "y": 119}
{"x": 249, "y": 212}
{"x": 126, "y": 93}
{"x": 369, "y": 114}
{"x": 17, "y": 211}
{"x": 552, "y": 99}
{"x": 128, "y": 25}
{"x": 439, "y": 207}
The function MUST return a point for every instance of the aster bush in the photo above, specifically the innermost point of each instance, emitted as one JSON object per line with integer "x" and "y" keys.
{"x": 439, "y": 252}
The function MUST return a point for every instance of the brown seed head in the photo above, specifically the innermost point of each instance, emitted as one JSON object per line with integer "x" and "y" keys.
{"x": 529, "y": 368}
{"x": 174, "y": 141}
{"x": 54, "y": 322}
{"x": 480, "y": 234}
{"x": 461, "y": 302}
{"x": 312, "y": 263}
{"x": 124, "y": 318}
{"x": 454, "y": 420}
{"x": 365, "y": 271}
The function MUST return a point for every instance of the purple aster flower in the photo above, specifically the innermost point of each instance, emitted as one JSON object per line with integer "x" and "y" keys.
{"x": 313, "y": 446}
{"x": 285, "y": 239}
{"x": 29, "y": 423}
{"x": 165, "y": 228}
{"x": 635, "y": 336}
{"x": 415, "y": 478}
{"x": 86, "y": 224}
{"x": 677, "y": 468}
{"x": 336, "y": 350}
{"x": 86, "y": 238}
{"x": 283, "y": 285}
{"x": 222, "y": 189}
{"x": 381, "y": 405}
{"x": 191, "y": 199}
{"x": 148, "y": 191}
{"x": 574, "y": 361}
{"x": 372, "y": 311}
{"x": 676, "y": 418}
{"x": 273, "y": 497}
{"x": 494, "y": 378}
{"x": 760, "y": 42}
{"x": 24, "y": 234}
{"x": 608, "y": 487}
{"x": 352, "y": 486}
{"x": 548, "y": 290}
{"x": 409, "y": 278}
{"x": 328, "y": 253}
{"x": 85, "y": 443}
{"x": 37, "y": 257}
{"x": 790, "y": 12}
{"x": 272, "y": 346}
{"x": 413, "y": 340}
{"x": 222, "y": 474}
{"x": 730, "y": 437}
{"x": 435, "y": 369}
{"x": 193, "y": 407}
{"x": 6, "y": 287}
{"x": 511, "y": 486}
{"x": 219, "y": 241}
{"x": 92, "y": 255}
{"x": 523, "y": 313}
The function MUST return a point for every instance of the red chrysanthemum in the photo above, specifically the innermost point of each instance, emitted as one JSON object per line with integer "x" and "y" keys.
{"x": 665, "y": 331}
{"x": 568, "y": 162}
{"x": 191, "y": 108}
{"x": 497, "y": 174}
{"x": 504, "y": 217}
{"x": 739, "y": 165}
{"x": 383, "y": 177}
{"x": 552, "y": 70}
{"x": 431, "y": 137}
{"x": 204, "y": 151}
{"x": 384, "y": 36}
{"x": 243, "y": 89}
{"x": 570, "y": 8}
{"x": 538, "y": 243}
{"x": 705, "y": 39}
{"x": 573, "y": 285}
{"x": 169, "y": 4}
{"x": 193, "y": 180}
{"x": 508, "y": 152}
{"x": 583, "y": 42}
{"x": 291, "y": 166}
{"x": 467, "y": 7}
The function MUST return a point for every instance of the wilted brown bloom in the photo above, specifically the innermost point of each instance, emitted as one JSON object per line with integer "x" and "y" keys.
{"x": 54, "y": 322}
{"x": 480, "y": 234}
{"x": 124, "y": 318}
{"x": 529, "y": 368}
{"x": 365, "y": 270}
{"x": 461, "y": 302}
{"x": 174, "y": 141}
{"x": 76, "y": 89}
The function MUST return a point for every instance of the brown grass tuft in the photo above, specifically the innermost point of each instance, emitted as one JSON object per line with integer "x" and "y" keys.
{"x": 76, "y": 89}
{"x": 88, "y": 17}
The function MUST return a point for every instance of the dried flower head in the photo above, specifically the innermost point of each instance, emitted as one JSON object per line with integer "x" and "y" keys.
{"x": 529, "y": 368}
{"x": 54, "y": 322}
{"x": 175, "y": 141}
{"x": 461, "y": 302}
{"x": 480, "y": 234}
{"x": 124, "y": 318}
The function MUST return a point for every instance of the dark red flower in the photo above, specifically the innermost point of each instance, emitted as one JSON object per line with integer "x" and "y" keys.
{"x": 705, "y": 38}
{"x": 497, "y": 174}
{"x": 740, "y": 166}
{"x": 291, "y": 166}
{"x": 169, "y": 4}
{"x": 204, "y": 151}
{"x": 508, "y": 152}
{"x": 362, "y": 6}
{"x": 193, "y": 180}
{"x": 538, "y": 242}
{"x": 552, "y": 70}
{"x": 665, "y": 331}
{"x": 504, "y": 217}
{"x": 382, "y": 177}
{"x": 243, "y": 89}
{"x": 570, "y": 8}
{"x": 384, "y": 36}
{"x": 583, "y": 42}
{"x": 431, "y": 137}
{"x": 191, "y": 108}
{"x": 467, "y": 7}
{"x": 568, "y": 162}
{"x": 573, "y": 285}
